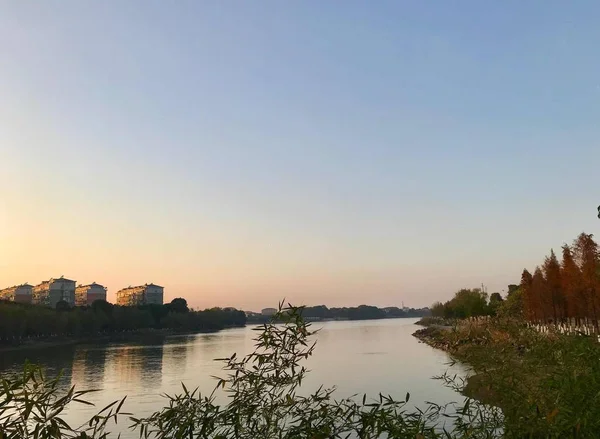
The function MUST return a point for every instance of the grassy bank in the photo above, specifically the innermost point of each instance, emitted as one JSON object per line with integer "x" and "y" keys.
{"x": 547, "y": 385}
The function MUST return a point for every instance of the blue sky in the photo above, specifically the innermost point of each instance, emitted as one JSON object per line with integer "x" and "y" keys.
{"x": 328, "y": 152}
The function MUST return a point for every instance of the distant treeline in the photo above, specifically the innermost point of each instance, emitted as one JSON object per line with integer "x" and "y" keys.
{"x": 469, "y": 303}
{"x": 18, "y": 321}
{"x": 362, "y": 312}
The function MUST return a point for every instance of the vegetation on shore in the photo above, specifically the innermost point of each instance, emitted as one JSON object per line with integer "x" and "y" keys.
{"x": 436, "y": 321}
{"x": 21, "y": 323}
{"x": 547, "y": 384}
{"x": 362, "y": 312}
{"x": 558, "y": 292}
{"x": 468, "y": 303}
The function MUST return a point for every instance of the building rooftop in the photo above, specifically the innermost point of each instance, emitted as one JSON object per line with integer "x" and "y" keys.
{"x": 93, "y": 284}
{"x": 141, "y": 286}
{"x": 62, "y": 278}
{"x": 16, "y": 286}
{"x": 55, "y": 279}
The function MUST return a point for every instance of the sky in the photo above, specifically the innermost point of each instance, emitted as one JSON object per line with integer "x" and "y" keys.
{"x": 334, "y": 153}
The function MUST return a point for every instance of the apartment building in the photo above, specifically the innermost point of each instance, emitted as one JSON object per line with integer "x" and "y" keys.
{"x": 141, "y": 295}
{"x": 88, "y": 294}
{"x": 52, "y": 291}
{"x": 18, "y": 293}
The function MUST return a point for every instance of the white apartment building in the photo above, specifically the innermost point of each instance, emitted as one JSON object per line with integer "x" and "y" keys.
{"x": 52, "y": 291}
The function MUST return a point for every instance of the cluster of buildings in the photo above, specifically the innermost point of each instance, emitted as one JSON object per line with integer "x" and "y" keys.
{"x": 50, "y": 292}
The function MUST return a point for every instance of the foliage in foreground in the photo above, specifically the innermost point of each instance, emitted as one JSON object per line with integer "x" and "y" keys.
{"x": 31, "y": 407}
{"x": 264, "y": 402}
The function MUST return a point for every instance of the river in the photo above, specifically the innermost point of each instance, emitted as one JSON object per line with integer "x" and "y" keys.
{"x": 356, "y": 356}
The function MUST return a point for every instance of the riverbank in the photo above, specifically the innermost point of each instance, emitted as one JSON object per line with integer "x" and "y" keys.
{"x": 136, "y": 336}
{"x": 142, "y": 335}
{"x": 436, "y": 321}
{"x": 547, "y": 385}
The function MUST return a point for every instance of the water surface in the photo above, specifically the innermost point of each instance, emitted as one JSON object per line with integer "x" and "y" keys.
{"x": 358, "y": 357}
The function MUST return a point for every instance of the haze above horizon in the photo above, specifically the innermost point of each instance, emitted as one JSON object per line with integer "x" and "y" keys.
{"x": 241, "y": 152}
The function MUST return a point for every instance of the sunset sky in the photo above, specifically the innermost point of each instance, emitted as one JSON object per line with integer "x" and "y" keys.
{"x": 240, "y": 152}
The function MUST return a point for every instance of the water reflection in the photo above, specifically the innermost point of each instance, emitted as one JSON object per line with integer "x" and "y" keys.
{"x": 54, "y": 361}
{"x": 209, "y": 345}
{"x": 137, "y": 365}
{"x": 176, "y": 352}
{"x": 89, "y": 364}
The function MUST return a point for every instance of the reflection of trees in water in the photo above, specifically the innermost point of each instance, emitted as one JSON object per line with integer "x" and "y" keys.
{"x": 209, "y": 344}
{"x": 176, "y": 352}
{"x": 138, "y": 364}
{"x": 53, "y": 360}
{"x": 89, "y": 364}
{"x": 352, "y": 334}
{"x": 223, "y": 344}
{"x": 152, "y": 365}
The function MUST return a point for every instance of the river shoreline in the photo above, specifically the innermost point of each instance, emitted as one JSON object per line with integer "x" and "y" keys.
{"x": 443, "y": 337}
{"x": 142, "y": 335}
{"x": 527, "y": 374}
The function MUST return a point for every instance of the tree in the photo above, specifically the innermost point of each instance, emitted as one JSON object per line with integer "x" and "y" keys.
{"x": 538, "y": 290}
{"x": 570, "y": 279}
{"x": 513, "y": 306}
{"x": 179, "y": 305}
{"x": 569, "y": 289}
{"x": 553, "y": 285}
{"x": 586, "y": 255}
{"x": 495, "y": 303}
{"x": 62, "y": 305}
{"x": 394, "y": 311}
{"x": 102, "y": 305}
{"x": 528, "y": 302}
{"x": 320, "y": 312}
{"x": 437, "y": 309}
{"x": 19, "y": 320}
{"x": 465, "y": 303}
{"x": 365, "y": 312}
{"x": 512, "y": 288}
{"x": 496, "y": 297}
